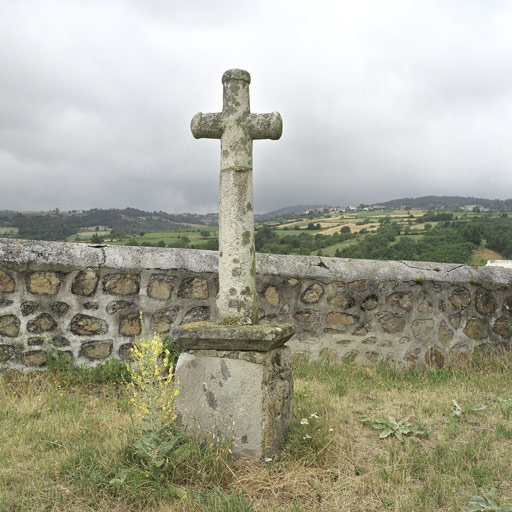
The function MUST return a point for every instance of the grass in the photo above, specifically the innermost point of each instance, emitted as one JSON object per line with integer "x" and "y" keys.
{"x": 63, "y": 445}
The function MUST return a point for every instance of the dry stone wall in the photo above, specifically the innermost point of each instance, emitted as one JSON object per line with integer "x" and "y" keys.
{"x": 86, "y": 300}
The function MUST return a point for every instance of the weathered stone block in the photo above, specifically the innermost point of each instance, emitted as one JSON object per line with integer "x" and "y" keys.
{"x": 460, "y": 298}
{"x": 117, "y": 305}
{"x": 484, "y": 302}
{"x": 392, "y": 323}
{"x": 312, "y": 294}
{"x": 91, "y": 305}
{"x": 386, "y": 286}
{"x": 85, "y": 325}
{"x": 424, "y": 306}
{"x": 401, "y": 300}
{"x": 341, "y": 301}
{"x": 36, "y": 358}
{"x": 121, "y": 284}
{"x": 7, "y": 284}
{"x": 6, "y": 353}
{"x": 160, "y": 287}
{"x": 197, "y": 314}
{"x": 503, "y": 327}
{"x": 9, "y": 326}
{"x": 43, "y": 323}
{"x": 272, "y": 295}
{"x": 44, "y": 283}
{"x": 358, "y": 286}
{"x": 476, "y": 329}
{"x": 434, "y": 358}
{"x": 371, "y": 302}
{"x": 455, "y": 320}
{"x": 95, "y": 350}
{"x": 85, "y": 283}
{"x": 125, "y": 352}
{"x": 336, "y": 318}
{"x": 60, "y": 308}
{"x": 29, "y": 307}
{"x": 163, "y": 319}
{"x": 130, "y": 325}
{"x": 423, "y": 329}
{"x": 292, "y": 281}
{"x": 5, "y": 302}
{"x": 194, "y": 288}
{"x": 306, "y": 316}
{"x": 444, "y": 333}
{"x": 250, "y": 402}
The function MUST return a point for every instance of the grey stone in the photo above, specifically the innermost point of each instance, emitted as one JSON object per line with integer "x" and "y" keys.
{"x": 117, "y": 305}
{"x": 29, "y": 307}
{"x": 423, "y": 329}
{"x": 163, "y": 319}
{"x": 43, "y": 323}
{"x": 198, "y": 314}
{"x": 96, "y": 350}
{"x": 85, "y": 283}
{"x": 60, "y": 308}
{"x": 233, "y": 398}
{"x": 9, "y": 326}
{"x": 484, "y": 302}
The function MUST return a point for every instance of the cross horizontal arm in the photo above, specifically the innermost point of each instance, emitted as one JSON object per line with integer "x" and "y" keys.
{"x": 207, "y": 126}
{"x": 265, "y": 126}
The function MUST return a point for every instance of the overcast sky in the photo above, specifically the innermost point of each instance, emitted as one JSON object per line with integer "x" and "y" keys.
{"x": 380, "y": 99}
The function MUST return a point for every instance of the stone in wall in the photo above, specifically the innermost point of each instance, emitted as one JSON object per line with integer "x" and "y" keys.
{"x": 423, "y": 329}
{"x": 6, "y": 282}
{"x": 125, "y": 352}
{"x": 336, "y": 318}
{"x": 272, "y": 295}
{"x": 484, "y": 302}
{"x": 503, "y": 327}
{"x": 96, "y": 350}
{"x": 130, "y": 325}
{"x": 163, "y": 319}
{"x": 91, "y": 305}
{"x": 29, "y": 307}
{"x": 197, "y": 314}
{"x": 306, "y": 316}
{"x": 460, "y": 298}
{"x": 121, "y": 284}
{"x": 341, "y": 301}
{"x": 424, "y": 306}
{"x": 312, "y": 294}
{"x": 434, "y": 358}
{"x": 60, "y": 308}
{"x": 160, "y": 287}
{"x": 444, "y": 333}
{"x": 476, "y": 329}
{"x": 370, "y": 303}
{"x": 35, "y": 358}
{"x": 392, "y": 323}
{"x": 455, "y": 320}
{"x": 194, "y": 288}
{"x": 43, "y": 323}
{"x": 293, "y": 282}
{"x": 44, "y": 283}
{"x": 9, "y": 326}
{"x": 5, "y": 302}
{"x": 117, "y": 305}
{"x": 85, "y": 325}
{"x": 6, "y": 353}
{"x": 401, "y": 300}
{"x": 358, "y": 286}
{"x": 371, "y": 356}
{"x": 386, "y": 286}
{"x": 85, "y": 283}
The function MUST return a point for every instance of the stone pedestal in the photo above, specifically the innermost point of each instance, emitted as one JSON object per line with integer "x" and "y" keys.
{"x": 245, "y": 394}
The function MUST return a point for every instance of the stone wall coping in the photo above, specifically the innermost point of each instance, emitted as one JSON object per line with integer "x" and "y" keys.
{"x": 40, "y": 255}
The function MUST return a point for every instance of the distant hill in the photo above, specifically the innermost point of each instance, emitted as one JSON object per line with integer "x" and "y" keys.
{"x": 448, "y": 202}
{"x": 297, "y": 208}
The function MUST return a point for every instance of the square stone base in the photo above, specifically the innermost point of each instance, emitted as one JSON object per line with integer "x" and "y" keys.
{"x": 244, "y": 395}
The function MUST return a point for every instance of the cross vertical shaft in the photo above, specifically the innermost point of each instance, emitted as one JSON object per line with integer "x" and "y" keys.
{"x": 236, "y": 127}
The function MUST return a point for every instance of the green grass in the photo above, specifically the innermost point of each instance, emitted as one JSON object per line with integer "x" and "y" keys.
{"x": 64, "y": 445}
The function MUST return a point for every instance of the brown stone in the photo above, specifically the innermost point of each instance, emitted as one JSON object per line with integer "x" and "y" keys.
{"x": 95, "y": 350}
{"x": 85, "y": 325}
{"x": 392, "y": 323}
{"x": 503, "y": 327}
{"x": 85, "y": 283}
{"x": 361, "y": 330}
{"x": 121, "y": 284}
{"x": 434, "y": 358}
{"x": 44, "y": 283}
{"x": 484, "y": 302}
{"x": 35, "y": 358}
{"x": 455, "y": 320}
{"x": 336, "y": 318}
{"x": 9, "y": 326}
{"x": 369, "y": 341}
{"x": 476, "y": 329}
{"x": 400, "y": 300}
{"x": 341, "y": 301}
{"x": 29, "y": 307}
{"x": 43, "y": 323}
{"x": 371, "y": 302}
{"x": 338, "y": 284}
{"x": 125, "y": 352}
{"x": 385, "y": 286}
{"x": 197, "y": 314}
{"x": 272, "y": 295}
{"x": 313, "y": 294}
{"x": 60, "y": 308}
{"x": 423, "y": 329}
{"x": 117, "y": 305}
{"x": 308, "y": 335}
{"x": 163, "y": 319}
{"x": 358, "y": 286}
{"x": 6, "y": 282}
{"x": 460, "y": 298}
{"x": 130, "y": 325}
{"x": 445, "y": 334}
{"x": 425, "y": 306}
{"x": 306, "y": 316}
{"x": 293, "y": 282}
{"x": 160, "y": 287}
{"x": 6, "y": 353}
{"x": 194, "y": 288}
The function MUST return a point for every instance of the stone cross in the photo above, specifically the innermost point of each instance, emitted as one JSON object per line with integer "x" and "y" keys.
{"x": 236, "y": 127}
